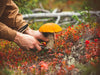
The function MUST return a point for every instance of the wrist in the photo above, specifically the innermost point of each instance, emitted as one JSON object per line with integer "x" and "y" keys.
{"x": 17, "y": 37}
{"x": 29, "y": 31}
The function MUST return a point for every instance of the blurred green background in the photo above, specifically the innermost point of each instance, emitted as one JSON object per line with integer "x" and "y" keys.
{"x": 26, "y": 6}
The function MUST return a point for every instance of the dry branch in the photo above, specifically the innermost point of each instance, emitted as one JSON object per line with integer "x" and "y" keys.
{"x": 50, "y": 14}
{"x": 58, "y": 14}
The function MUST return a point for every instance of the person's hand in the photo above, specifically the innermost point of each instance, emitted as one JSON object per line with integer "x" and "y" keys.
{"x": 27, "y": 42}
{"x": 36, "y": 34}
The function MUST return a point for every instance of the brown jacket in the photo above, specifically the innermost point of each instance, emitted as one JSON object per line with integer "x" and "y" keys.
{"x": 10, "y": 20}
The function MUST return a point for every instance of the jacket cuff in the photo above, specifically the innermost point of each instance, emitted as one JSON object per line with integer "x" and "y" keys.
{"x": 23, "y": 28}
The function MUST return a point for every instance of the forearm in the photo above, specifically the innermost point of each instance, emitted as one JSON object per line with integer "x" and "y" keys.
{"x": 6, "y": 32}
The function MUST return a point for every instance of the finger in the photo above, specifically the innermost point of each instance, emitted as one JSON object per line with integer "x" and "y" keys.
{"x": 38, "y": 47}
{"x": 44, "y": 38}
{"x": 32, "y": 47}
{"x": 24, "y": 48}
{"x": 38, "y": 42}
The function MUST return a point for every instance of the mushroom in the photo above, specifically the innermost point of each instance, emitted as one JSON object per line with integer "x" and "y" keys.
{"x": 48, "y": 30}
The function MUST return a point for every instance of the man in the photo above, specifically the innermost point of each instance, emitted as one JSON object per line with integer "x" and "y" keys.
{"x": 11, "y": 22}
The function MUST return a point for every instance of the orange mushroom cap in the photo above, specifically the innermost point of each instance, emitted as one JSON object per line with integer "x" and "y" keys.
{"x": 50, "y": 27}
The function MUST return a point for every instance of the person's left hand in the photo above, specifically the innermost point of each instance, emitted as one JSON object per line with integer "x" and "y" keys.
{"x": 36, "y": 34}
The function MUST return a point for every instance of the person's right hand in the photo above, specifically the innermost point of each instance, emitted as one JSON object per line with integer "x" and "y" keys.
{"x": 28, "y": 42}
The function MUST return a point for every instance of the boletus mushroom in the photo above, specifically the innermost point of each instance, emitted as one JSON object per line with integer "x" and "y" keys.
{"x": 48, "y": 30}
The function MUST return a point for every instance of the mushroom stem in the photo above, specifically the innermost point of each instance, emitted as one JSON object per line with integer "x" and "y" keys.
{"x": 50, "y": 43}
{"x": 50, "y": 36}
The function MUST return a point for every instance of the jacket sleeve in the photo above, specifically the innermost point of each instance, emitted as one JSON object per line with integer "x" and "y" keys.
{"x": 10, "y": 20}
{"x": 6, "y": 32}
{"x": 11, "y": 16}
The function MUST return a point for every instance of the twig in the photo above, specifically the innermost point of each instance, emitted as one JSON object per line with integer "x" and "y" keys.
{"x": 41, "y": 5}
{"x": 58, "y": 19}
{"x": 55, "y": 10}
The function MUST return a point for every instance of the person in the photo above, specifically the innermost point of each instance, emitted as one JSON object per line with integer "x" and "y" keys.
{"x": 11, "y": 25}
